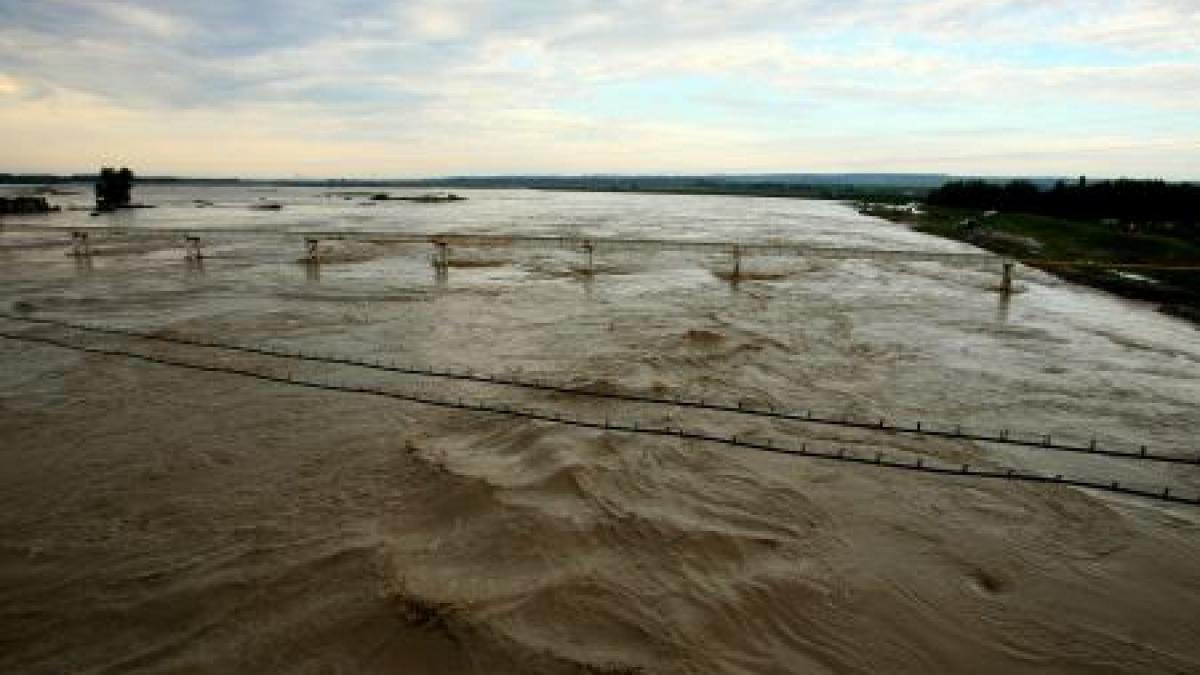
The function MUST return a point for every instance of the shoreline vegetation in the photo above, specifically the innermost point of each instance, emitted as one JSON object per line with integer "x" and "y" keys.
{"x": 1117, "y": 222}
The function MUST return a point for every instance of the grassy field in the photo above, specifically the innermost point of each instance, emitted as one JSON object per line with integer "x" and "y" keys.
{"x": 1051, "y": 240}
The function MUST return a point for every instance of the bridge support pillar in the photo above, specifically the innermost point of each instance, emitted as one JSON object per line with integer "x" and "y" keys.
{"x": 80, "y": 246}
{"x": 441, "y": 255}
{"x": 191, "y": 248}
{"x": 314, "y": 255}
{"x": 1006, "y": 281}
{"x": 589, "y": 249}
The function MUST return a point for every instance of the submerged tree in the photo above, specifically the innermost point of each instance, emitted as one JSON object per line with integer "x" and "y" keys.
{"x": 113, "y": 189}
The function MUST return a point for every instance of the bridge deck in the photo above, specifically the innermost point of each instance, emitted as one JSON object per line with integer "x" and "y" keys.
{"x": 599, "y": 244}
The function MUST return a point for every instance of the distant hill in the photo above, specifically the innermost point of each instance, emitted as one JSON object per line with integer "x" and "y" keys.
{"x": 784, "y": 184}
{"x": 912, "y": 180}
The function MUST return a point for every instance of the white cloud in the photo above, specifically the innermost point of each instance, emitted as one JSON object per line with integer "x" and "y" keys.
{"x": 157, "y": 24}
{"x": 435, "y": 21}
{"x": 469, "y": 85}
{"x": 9, "y": 85}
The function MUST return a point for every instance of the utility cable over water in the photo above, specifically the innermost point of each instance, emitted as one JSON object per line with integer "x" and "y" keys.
{"x": 1044, "y": 442}
{"x": 878, "y": 459}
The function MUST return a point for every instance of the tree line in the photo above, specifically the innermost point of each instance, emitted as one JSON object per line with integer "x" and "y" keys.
{"x": 1142, "y": 202}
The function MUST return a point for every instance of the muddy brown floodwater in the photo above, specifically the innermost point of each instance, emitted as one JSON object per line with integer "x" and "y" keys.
{"x": 155, "y": 519}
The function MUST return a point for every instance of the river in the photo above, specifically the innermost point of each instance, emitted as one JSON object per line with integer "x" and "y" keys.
{"x": 154, "y": 519}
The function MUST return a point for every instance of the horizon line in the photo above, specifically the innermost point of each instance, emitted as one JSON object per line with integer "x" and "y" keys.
{"x": 633, "y": 174}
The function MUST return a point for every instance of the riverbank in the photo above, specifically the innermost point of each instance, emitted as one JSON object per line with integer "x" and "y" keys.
{"x": 1175, "y": 291}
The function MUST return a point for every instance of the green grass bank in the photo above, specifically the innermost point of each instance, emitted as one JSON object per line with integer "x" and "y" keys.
{"x": 1051, "y": 240}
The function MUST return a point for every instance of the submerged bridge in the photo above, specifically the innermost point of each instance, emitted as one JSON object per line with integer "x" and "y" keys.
{"x": 192, "y": 240}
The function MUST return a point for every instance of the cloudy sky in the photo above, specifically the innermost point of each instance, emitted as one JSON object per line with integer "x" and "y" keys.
{"x": 434, "y": 87}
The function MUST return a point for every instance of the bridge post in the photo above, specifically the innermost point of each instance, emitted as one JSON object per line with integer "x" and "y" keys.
{"x": 191, "y": 248}
{"x": 441, "y": 255}
{"x": 589, "y": 249}
{"x": 314, "y": 255}
{"x": 1006, "y": 282}
{"x": 80, "y": 245}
